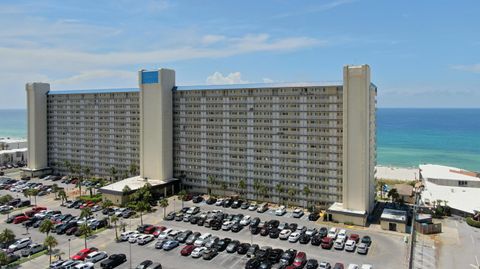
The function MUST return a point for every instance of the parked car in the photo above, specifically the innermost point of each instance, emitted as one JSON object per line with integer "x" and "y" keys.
{"x": 202, "y": 240}
{"x": 280, "y": 211}
{"x": 222, "y": 244}
{"x": 211, "y": 201}
{"x": 366, "y": 240}
{"x": 293, "y": 238}
{"x": 170, "y": 244}
{"x": 311, "y": 264}
{"x": 232, "y": 247}
{"x": 160, "y": 242}
{"x": 314, "y": 216}
{"x": 252, "y": 250}
{"x": 113, "y": 261}
{"x": 350, "y": 245}
{"x": 297, "y": 213}
{"x": 339, "y": 244}
{"x": 362, "y": 248}
{"x": 253, "y": 206}
{"x": 300, "y": 260}
{"x": 145, "y": 239}
{"x": 19, "y": 244}
{"x": 209, "y": 253}
{"x": 332, "y": 233}
{"x": 198, "y": 252}
{"x": 96, "y": 256}
{"x": 82, "y": 254}
{"x": 262, "y": 208}
{"x": 187, "y": 250}
{"x": 327, "y": 243}
{"x": 32, "y": 249}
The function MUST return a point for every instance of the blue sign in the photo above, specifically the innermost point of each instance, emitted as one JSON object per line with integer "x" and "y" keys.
{"x": 149, "y": 77}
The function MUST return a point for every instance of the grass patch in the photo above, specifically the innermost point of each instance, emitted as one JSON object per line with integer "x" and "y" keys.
{"x": 95, "y": 198}
{"x": 94, "y": 232}
{"x": 29, "y": 258}
{"x": 473, "y": 222}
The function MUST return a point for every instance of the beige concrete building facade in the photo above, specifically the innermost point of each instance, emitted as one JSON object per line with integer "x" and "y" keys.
{"x": 302, "y": 143}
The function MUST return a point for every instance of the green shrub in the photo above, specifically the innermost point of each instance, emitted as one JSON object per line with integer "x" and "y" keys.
{"x": 95, "y": 198}
{"x": 473, "y": 222}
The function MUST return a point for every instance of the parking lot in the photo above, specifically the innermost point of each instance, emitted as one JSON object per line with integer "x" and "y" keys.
{"x": 387, "y": 251}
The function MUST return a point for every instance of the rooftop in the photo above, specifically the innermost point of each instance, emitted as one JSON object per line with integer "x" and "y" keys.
{"x": 9, "y": 140}
{"x": 461, "y": 198}
{"x": 404, "y": 189}
{"x": 394, "y": 214}
{"x": 8, "y": 151}
{"x": 338, "y": 207}
{"x": 434, "y": 171}
{"x": 134, "y": 183}
{"x": 113, "y": 90}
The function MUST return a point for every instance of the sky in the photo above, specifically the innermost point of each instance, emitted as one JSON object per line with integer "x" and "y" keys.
{"x": 421, "y": 53}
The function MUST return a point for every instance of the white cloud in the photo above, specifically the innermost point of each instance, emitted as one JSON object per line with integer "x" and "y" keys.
{"x": 315, "y": 9}
{"x": 232, "y": 78}
{"x": 474, "y": 68}
{"x": 86, "y": 77}
{"x": 210, "y": 39}
{"x": 267, "y": 80}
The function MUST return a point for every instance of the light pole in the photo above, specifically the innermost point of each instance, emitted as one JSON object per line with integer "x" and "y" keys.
{"x": 130, "y": 253}
{"x": 174, "y": 204}
{"x": 69, "y": 247}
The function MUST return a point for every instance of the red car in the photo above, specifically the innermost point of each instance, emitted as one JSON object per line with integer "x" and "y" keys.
{"x": 38, "y": 208}
{"x": 159, "y": 230}
{"x": 327, "y": 243}
{"x": 354, "y": 237}
{"x": 20, "y": 219}
{"x": 82, "y": 254}
{"x": 187, "y": 250}
{"x": 87, "y": 204}
{"x": 300, "y": 260}
{"x": 150, "y": 229}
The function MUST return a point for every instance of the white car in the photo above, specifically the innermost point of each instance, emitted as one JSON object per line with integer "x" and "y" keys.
{"x": 253, "y": 207}
{"x": 281, "y": 211}
{"x": 219, "y": 202}
{"x": 297, "y": 213}
{"x": 133, "y": 237}
{"x": 324, "y": 265}
{"x": 96, "y": 256}
{"x": 70, "y": 264}
{"x": 119, "y": 211}
{"x": 85, "y": 265}
{"x": 339, "y": 244}
{"x": 332, "y": 233}
{"x": 124, "y": 236}
{"x": 246, "y": 220}
{"x": 145, "y": 239}
{"x": 227, "y": 225}
{"x": 350, "y": 245}
{"x": 19, "y": 244}
{"x": 193, "y": 210}
{"x": 202, "y": 240}
{"x": 5, "y": 208}
{"x": 367, "y": 266}
{"x": 173, "y": 233}
{"x": 342, "y": 234}
{"x": 164, "y": 234}
{"x": 284, "y": 234}
{"x": 198, "y": 252}
{"x": 353, "y": 266}
{"x": 294, "y": 237}
{"x": 96, "y": 208}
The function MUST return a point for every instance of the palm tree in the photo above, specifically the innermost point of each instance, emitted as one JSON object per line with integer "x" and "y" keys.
{"x": 224, "y": 188}
{"x": 34, "y": 193}
{"x": 181, "y": 195}
{"x": 62, "y": 195}
{"x": 114, "y": 219}
{"x": 123, "y": 225}
{"x": 164, "y": 204}
{"x": 55, "y": 190}
{"x": 306, "y": 192}
{"x": 263, "y": 190}
{"x": 280, "y": 189}
{"x": 86, "y": 212}
{"x": 113, "y": 172}
{"x": 107, "y": 203}
{"x": 86, "y": 231}
{"x": 141, "y": 207}
{"x": 256, "y": 187}
{"x": 211, "y": 183}
{"x": 6, "y": 236}
{"x": 46, "y": 226}
{"x": 393, "y": 193}
{"x": 50, "y": 242}
{"x": 291, "y": 192}
{"x": 242, "y": 185}
{"x": 133, "y": 169}
{"x": 28, "y": 194}
{"x": 3, "y": 258}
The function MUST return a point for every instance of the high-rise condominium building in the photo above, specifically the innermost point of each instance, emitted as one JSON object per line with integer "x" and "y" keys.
{"x": 302, "y": 143}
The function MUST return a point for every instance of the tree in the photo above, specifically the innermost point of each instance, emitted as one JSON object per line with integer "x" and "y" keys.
{"x": 123, "y": 225}
{"x": 114, "y": 219}
{"x": 291, "y": 192}
{"x": 5, "y": 199}
{"x": 3, "y": 258}
{"x": 126, "y": 190}
{"x": 62, "y": 195}
{"x": 55, "y": 190}
{"x": 263, "y": 190}
{"x": 306, "y": 192}
{"x": 6, "y": 236}
{"x": 85, "y": 213}
{"x": 211, "y": 183}
{"x": 280, "y": 190}
{"x": 90, "y": 190}
{"x": 34, "y": 193}
{"x": 256, "y": 187}
{"x": 393, "y": 194}
{"x": 182, "y": 195}
{"x": 224, "y": 188}
{"x": 46, "y": 226}
{"x": 141, "y": 207}
{"x": 50, "y": 242}
{"x": 107, "y": 204}
{"x": 164, "y": 204}
{"x": 28, "y": 194}
{"x": 242, "y": 185}
{"x": 113, "y": 172}
{"x": 86, "y": 232}
{"x": 133, "y": 169}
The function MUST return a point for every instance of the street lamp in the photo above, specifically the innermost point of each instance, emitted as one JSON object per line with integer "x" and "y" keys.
{"x": 69, "y": 247}
{"x": 130, "y": 253}
{"x": 174, "y": 204}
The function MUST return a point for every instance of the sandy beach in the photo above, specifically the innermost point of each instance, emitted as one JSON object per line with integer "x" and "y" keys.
{"x": 397, "y": 173}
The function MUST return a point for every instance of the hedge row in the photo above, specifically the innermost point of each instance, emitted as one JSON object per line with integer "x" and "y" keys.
{"x": 473, "y": 222}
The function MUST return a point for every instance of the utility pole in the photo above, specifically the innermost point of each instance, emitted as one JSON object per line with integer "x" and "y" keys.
{"x": 412, "y": 231}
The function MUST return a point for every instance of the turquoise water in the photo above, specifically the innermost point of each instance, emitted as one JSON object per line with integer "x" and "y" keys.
{"x": 405, "y": 137}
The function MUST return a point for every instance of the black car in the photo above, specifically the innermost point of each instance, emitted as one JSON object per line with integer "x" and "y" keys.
{"x": 107, "y": 211}
{"x": 314, "y": 216}
{"x": 182, "y": 237}
{"x": 274, "y": 233}
{"x": 254, "y": 222}
{"x": 222, "y": 244}
{"x": 37, "y": 223}
{"x": 252, "y": 250}
{"x": 128, "y": 213}
{"x": 237, "y": 204}
{"x": 304, "y": 239}
{"x": 253, "y": 263}
{"x": 113, "y": 261}
{"x": 23, "y": 203}
{"x": 264, "y": 231}
{"x": 323, "y": 232}
{"x": 316, "y": 239}
{"x": 288, "y": 256}
{"x": 243, "y": 248}
{"x": 263, "y": 252}
{"x": 228, "y": 203}
{"x": 98, "y": 224}
{"x": 211, "y": 201}
{"x": 197, "y": 199}
{"x": 14, "y": 202}
{"x": 216, "y": 225}
{"x": 64, "y": 227}
{"x": 30, "y": 222}
{"x": 237, "y": 227}
{"x": 194, "y": 219}
{"x": 366, "y": 240}
{"x": 255, "y": 230}
{"x": 311, "y": 264}
{"x": 275, "y": 255}
{"x": 184, "y": 209}
{"x": 75, "y": 204}
{"x": 144, "y": 264}
{"x": 293, "y": 227}
{"x": 201, "y": 221}
{"x": 273, "y": 224}
{"x": 265, "y": 264}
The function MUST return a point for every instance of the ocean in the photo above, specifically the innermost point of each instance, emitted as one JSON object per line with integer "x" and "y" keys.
{"x": 405, "y": 137}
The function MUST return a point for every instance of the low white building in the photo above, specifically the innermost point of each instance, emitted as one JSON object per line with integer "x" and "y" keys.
{"x": 460, "y": 188}
{"x": 12, "y": 143}
{"x": 13, "y": 156}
